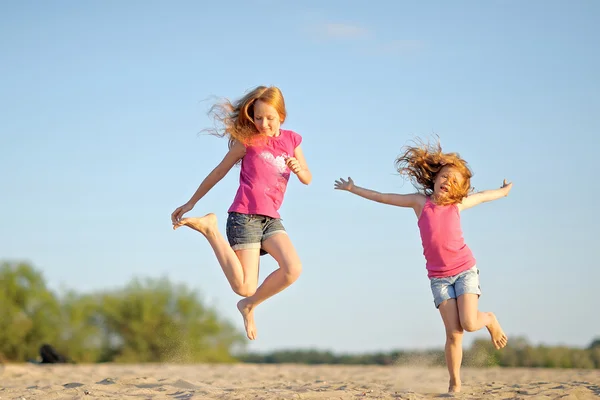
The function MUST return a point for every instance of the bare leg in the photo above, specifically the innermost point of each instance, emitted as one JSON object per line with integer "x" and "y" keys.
{"x": 280, "y": 247}
{"x": 453, "y": 350}
{"x": 240, "y": 267}
{"x": 472, "y": 319}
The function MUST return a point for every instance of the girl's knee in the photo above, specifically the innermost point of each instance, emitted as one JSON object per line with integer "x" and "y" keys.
{"x": 244, "y": 289}
{"x": 292, "y": 271}
{"x": 469, "y": 324}
{"x": 454, "y": 336}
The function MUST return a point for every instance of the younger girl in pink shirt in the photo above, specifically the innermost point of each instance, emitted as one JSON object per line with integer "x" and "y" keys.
{"x": 443, "y": 181}
{"x": 269, "y": 155}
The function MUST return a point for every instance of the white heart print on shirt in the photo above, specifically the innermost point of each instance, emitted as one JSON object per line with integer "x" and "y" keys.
{"x": 278, "y": 162}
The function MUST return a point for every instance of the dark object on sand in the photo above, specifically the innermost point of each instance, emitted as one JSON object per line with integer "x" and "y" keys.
{"x": 51, "y": 356}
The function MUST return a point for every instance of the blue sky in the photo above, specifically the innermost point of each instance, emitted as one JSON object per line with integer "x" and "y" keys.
{"x": 101, "y": 105}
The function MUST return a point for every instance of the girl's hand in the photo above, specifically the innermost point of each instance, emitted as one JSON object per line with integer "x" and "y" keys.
{"x": 344, "y": 185}
{"x": 506, "y": 186}
{"x": 178, "y": 213}
{"x": 293, "y": 165}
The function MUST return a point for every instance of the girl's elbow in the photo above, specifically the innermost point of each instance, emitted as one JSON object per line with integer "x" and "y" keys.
{"x": 306, "y": 178}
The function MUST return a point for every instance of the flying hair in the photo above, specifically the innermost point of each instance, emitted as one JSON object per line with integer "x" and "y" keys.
{"x": 422, "y": 163}
{"x": 236, "y": 119}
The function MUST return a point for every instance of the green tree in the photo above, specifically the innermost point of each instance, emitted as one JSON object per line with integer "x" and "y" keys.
{"x": 154, "y": 320}
{"x": 82, "y": 339}
{"x": 595, "y": 356}
{"x": 595, "y": 344}
{"x": 512, "y": 354}
{"x": 30, "y": 314}
{"x": 145, "y": 321}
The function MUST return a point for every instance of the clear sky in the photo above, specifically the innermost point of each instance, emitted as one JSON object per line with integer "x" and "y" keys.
{"x": 101, "y": 105}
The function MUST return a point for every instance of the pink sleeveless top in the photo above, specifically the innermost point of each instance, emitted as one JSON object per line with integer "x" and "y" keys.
{"x": 444, "y": 248}
{"x": 264, "y": 175}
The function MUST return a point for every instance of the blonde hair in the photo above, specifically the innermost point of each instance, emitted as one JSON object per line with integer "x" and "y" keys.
{"x": 423, "y": 162}
{"x": 237, "y": 118}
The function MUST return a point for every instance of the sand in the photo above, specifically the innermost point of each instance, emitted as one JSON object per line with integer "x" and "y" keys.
{"x": 244, "y": 381}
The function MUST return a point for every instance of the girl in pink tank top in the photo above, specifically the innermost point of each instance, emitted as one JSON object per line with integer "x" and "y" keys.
{"x": 269, "y": 155}
{"x": 443, "y": 182}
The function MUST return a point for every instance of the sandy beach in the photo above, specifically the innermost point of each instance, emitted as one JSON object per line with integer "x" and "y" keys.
{"x": 243, "y": 381}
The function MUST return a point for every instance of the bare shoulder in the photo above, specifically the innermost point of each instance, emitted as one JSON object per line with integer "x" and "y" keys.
{"x": 420, "y": 198}
{"x": 235, "y": 153}
{"x": 238, "y": 149}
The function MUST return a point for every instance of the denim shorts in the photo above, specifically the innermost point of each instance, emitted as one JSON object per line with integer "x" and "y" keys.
{"x": 248, "y": 231}
{"x": 451, "y": 287}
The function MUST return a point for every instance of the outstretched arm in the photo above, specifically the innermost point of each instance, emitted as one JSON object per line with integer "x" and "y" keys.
{"x": 485, "y": 196}
{"x": 413, "y": 200}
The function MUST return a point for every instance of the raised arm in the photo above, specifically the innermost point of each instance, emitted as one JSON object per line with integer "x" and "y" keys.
{"x": 413, "y": 200}
{"x": 485, "y": 196}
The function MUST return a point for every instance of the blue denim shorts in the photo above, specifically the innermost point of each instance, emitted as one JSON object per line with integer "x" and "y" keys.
{"x": 452, "y": 287}
{"x": 248, "y": 231}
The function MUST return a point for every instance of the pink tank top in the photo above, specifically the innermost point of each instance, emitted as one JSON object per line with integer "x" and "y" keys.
{"x": 444, "y": 248}
{"x": 264, "y": 175}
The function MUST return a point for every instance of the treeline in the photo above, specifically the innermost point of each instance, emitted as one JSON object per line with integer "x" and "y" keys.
{"x": 145, "y": 321}
{"x": 519, "y": 353}
{"x": 158, "y": 321}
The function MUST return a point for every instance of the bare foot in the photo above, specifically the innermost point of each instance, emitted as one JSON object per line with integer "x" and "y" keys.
{"x": 205, "y": 225}
{"x": 247, "y": 312}
{"x": 499, "y": 339}
{"x": 454, "y": 387}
